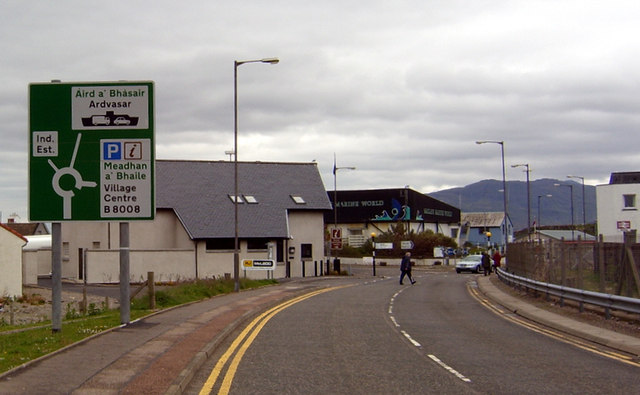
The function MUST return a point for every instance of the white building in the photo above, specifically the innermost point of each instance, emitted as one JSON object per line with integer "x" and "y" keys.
{"x": 192, "y": 236}
{"x": 11, "y": 243}
{"x": 617, "y": 205}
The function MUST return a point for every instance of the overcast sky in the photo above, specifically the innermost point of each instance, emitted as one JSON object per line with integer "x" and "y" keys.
{"x": 401, "y": 89}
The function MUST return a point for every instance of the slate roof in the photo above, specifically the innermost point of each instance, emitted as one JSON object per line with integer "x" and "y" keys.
{"x": 198, "y": 192}
{"x": 24, "y": 228}
{"x": 567, "y": 234}
{"x": 489, "y": 219}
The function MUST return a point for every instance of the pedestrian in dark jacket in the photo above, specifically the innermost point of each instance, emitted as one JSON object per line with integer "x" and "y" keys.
{"x": 405, "y": 268}
{"x": 486, "y": 263}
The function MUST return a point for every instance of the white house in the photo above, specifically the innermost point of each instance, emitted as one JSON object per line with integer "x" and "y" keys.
{"x": 617, "y": 205}
{"x": 280, "y": 217}
{"x": 11, "y": 243}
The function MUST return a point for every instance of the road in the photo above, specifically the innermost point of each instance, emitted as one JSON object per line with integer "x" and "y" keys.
{"x": 377, "y": 337}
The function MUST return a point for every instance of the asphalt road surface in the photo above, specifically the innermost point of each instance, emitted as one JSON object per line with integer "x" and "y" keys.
{"x": 378, "y": 337}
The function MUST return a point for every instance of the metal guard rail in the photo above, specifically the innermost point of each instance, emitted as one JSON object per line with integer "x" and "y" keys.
{"x": 607, "y": 301}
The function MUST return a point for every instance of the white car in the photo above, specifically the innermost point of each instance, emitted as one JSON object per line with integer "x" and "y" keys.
{"x": 470, "y": 263}
{"x": 121, "y": 121}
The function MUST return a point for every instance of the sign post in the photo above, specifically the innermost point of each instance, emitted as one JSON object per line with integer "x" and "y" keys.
{"x": 336, "y": 239}
{"x": 91, "y": 158}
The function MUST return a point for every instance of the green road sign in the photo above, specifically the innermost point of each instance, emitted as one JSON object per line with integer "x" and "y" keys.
{"x": 91, "y": 151}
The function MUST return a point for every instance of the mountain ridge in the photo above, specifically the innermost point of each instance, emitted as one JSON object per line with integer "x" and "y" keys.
{"x": 486, "y": 196}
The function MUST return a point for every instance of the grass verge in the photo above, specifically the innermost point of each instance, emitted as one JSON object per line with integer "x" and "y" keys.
{"x": 19, "y": 345}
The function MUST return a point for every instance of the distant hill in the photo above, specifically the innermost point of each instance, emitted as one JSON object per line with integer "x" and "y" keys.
{"x": 486, "y": 195}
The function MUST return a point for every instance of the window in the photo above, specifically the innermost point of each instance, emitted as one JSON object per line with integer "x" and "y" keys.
{"x": 96, "y": 245}
{"x": 306, "y": 251}
{"x": 250, "y": 199}
{"x": 65, "y": 250}
{"x": 629, "y": 201}
{"x": 298, "y": 199}
{"x": 232, "y": 197}
{"x": 280, "y": 251}
{"x": 221, "y": 244}
{"x": 257, "y": 244}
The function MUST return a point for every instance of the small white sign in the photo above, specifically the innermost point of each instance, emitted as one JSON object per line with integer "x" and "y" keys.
{"x": 383, "y": 246}
{"x": 45, "y": 144}
{"x": 258, "y": 264}
{"x": 125, "y": 178}
{"x": 110, "y": 107}
{"x": 623, "y": 225}
{"x": 406, "y": 244}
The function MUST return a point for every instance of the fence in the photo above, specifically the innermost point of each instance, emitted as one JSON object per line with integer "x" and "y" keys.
{"x": 607, "y": 301}
{"x": 589, "y": 265}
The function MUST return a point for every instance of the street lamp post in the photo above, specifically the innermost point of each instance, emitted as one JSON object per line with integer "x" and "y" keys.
{"x": 584, "y": 210}
{"x": 236, "y": 251}
{"x": 571, "y": 196}
{"x": 373, "y": 242}
{"x": 539, "y": 219}
{"x": 528, "y": 197}
{"x": 504, "y": 187}
{"x": 335, "y": 196}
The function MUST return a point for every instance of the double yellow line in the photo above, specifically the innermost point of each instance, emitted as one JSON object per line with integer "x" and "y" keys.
{"x": 250, "y": 333}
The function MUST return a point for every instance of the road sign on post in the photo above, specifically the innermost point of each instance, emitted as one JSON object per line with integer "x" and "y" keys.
{"x": 91, "y": 151}
{"x": 336, "y": 238}
{"x": 407, "y": 244}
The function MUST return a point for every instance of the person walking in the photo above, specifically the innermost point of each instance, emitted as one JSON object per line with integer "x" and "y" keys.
{"x": 405, "y": 268}
{"x": 486, "y": 263}
{"x": 496, "y": 259}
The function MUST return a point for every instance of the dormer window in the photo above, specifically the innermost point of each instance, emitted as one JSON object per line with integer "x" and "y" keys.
{"x": 233, "y": 199}
{"x": 298, "y": 199}
{"x": 250, "y": 199}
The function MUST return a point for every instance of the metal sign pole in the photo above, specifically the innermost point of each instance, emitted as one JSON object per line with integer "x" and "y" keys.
{"x": 56, "y": 277}
{"x": 125, "y": 291}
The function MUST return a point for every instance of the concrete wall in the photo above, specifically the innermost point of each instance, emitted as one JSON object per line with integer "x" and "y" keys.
{"x": 35, "y": 263}
{"x": 165, "y": 232}
{"x": 10, "y": 263}
{"x": 168, "y": 265}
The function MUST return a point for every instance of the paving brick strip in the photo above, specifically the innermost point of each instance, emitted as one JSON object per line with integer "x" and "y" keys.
{"x": 153, "y": 355}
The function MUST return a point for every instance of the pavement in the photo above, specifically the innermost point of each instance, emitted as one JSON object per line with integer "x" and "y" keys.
{"x": 160, "y": 353}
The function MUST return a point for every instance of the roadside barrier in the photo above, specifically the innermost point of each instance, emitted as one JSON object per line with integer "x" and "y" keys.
{"x": 607, "y": 301}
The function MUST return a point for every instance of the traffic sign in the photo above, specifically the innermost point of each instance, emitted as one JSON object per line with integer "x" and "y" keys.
{"x": 623, "y": 225}
{"x": 407, "y": 244}
{"x": 336, "y": 233}
{"x": 91, "y": 151}
{"x": 383, "y": 246}
{"x": 336, "y": 238}
{"x": 336, "y": 244}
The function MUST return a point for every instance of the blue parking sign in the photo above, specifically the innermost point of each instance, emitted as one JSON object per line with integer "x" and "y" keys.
{"x": 112, "y": 150}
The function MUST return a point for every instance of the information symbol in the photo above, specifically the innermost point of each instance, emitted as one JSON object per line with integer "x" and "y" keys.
{"x": 133, "y": 151}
